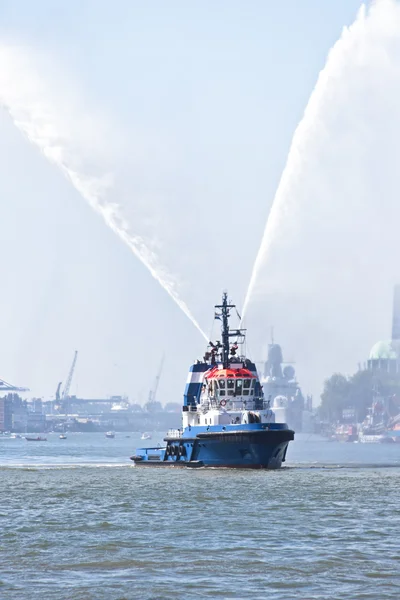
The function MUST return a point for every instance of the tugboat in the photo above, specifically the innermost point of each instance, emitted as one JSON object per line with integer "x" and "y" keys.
{"x": 374, "y": 428}
{"x": 226, "y": 421}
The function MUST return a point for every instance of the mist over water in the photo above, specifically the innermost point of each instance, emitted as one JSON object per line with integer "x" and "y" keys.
{"x": 52, "y": 115}
{"x": 328, "y": 260}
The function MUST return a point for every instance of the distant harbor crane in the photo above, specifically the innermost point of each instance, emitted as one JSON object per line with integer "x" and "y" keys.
{"x": 8, "y": 387}
{"x": 153, "y": 391}
{"x": 62, "y": 400}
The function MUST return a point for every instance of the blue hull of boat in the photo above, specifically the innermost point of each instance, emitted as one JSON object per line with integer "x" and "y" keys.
{"x": 239, "y": 449}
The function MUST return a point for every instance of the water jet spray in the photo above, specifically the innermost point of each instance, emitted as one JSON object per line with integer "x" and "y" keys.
{"x": 66, "y": 142}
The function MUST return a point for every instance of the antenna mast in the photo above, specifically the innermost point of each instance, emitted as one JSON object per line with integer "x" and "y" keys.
{"x": 226, "y": 333}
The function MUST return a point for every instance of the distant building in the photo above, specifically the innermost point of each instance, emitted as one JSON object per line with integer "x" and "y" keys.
{"x": 6, "y": 413}
{"x": 36, "y": 421}
{"x": 282, "y": 389}
{"x": 385, "y": 355}
{"x": 19, "y": 414}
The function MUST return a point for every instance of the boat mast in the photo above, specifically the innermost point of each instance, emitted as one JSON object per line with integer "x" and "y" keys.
{"x": 224, "y": 316}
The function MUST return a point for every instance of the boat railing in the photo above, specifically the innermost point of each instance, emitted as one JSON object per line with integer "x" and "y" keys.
{"x": 174, "y": 433}
{"x": 232, "y": 402}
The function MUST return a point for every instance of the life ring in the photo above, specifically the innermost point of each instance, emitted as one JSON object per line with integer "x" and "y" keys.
{"x": 222, "y": 403}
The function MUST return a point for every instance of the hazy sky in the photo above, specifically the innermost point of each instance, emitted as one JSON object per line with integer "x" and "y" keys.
{"x": 201, "y": 100}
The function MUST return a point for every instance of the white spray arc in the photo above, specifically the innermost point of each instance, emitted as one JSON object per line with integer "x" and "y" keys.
{"x": 328, "y": 258}
{"x": 380, "y": 23}
{"x": 51, "y": 117}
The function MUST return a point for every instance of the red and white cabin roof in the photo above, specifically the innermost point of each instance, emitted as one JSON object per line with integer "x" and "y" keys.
{"x": 216, "y": 373}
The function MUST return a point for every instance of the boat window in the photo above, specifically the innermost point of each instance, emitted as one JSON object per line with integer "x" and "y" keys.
{"x": 238, "y": 388}
{"x": 246, "y": 383}
{"x": 222, "y": 392}
{"x": 246, "y": 392}
{"x": 221, "y": 384}
{"x": 231, "y": 384}
{"x": 230, "y": 392}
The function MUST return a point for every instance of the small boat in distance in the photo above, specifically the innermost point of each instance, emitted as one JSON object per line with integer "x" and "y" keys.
{"x": 15, "y": 436}
{"x": 36, "y": 439}
{"x": 110, "y": 434}
{"x": 374, "y": 428}
{"x": 63, "y": 436}
{"x": 146, "y": 436}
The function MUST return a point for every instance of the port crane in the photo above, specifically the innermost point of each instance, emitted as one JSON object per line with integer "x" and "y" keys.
{"x": 8, "y": 387}
{"x": 153, "y": 390}
{"x": 63, "y": 398}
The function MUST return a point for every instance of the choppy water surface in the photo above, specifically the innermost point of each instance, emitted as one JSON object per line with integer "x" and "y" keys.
{"x": 78, "y": 521}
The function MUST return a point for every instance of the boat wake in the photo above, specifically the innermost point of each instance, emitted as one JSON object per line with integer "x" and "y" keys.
{"x": 329, "y": 466}
{"x": 62, "y": 467}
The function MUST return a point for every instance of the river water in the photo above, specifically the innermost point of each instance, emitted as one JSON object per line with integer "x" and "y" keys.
{"x": 78, "y": 521}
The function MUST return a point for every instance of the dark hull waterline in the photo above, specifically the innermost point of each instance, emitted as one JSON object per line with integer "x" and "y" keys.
{"x": 196, "y": 465}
